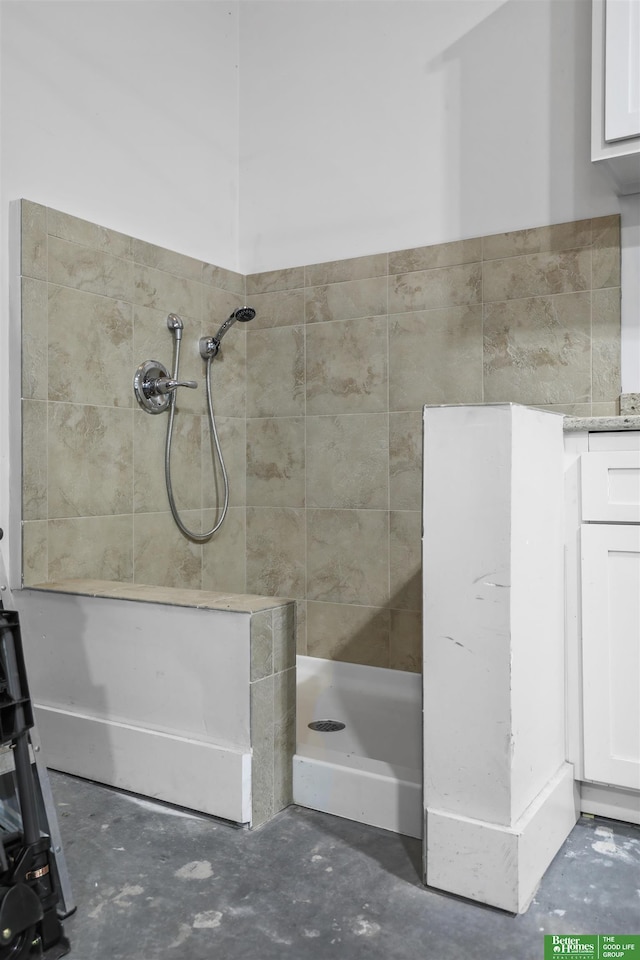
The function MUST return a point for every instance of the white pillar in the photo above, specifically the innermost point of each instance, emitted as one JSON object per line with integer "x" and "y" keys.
{"x": 499, "y": 797}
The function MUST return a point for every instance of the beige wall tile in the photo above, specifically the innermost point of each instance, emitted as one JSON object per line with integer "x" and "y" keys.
{"x": 87, "y": 234}
{"x": 437, "y": 255}
{"x": 348, "y": 556}
{"x": 405, "y": 560}
{"x": 193, "y": 367}
{"x": 262, "y": 743}
{"x": 435, "y": 357}
{"x": 232, "y": 437}
{"x": 405, "y": 460}
{"x": 342, "y": 301}
{"x": 35, "y": 361}
{"x": 217, "y": 305}
{"x": 162, "y": 555}
{"x": 554, "y": 238}
{"x": 538, "y": 350}
{"x": 284, "y": 637}
{"x": 282, "y": 308}
{"x": 85, "y": 268}
{"x": 276, "y": 551}
{"x": 99, "y": 548}
{"x": 275, "y": 372}
{"x": 149, "y": 488}
{"x": 90, "y": 457}
{"x": 261, "y": 644}
{"x": 433, "y": 289}
{"x": 354, "y": 634}
{"x": 33, "y": 227}
{"x": 539, "y": 274}
{"x": 150, "y": 492}
{"x": 608, "y": 409}
{"x": 35, "y": 552}
{"x": 347, "y": 461}
{"x": 228, "y": 378}
{"x": 362, "y": 563}
{"x": 220, "y": 277}
{"x": 34, "y": 460}
{"x": 346, "y": 366}
{"x": 224, "y": 556}
{"x": 606, "y": 252}
{"x": 605, "y": 334}
{"x": 405, "y": 640}
{"x": 166, "y": 260}
{"x": 164, "y": 291}
{"x": 567, "y": 409}
{"x": 337, "y": 271}
{"x": 301, "y": 627}
{"x": 90, "y": 348}
{"x": 284, "y": 737}
{"x": 153, "y": 341}
{"x": 276, "y": 462}
{"x": 286, "y": 279}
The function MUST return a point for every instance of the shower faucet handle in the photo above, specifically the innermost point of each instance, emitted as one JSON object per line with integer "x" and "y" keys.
{"x": 163, "y": 385}
{"x": 153, "y": 386}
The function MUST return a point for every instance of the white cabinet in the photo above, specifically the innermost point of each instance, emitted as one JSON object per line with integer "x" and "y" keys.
{"x": 615, "y": 90}
{"x": 621, "y": 69}
{"x": 602, "y": 619}
{"x": 611, "y": 652}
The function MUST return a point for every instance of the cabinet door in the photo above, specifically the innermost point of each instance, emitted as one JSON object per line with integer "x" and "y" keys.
{"x": 622, "y": 69}
{"x": 611, "y": 653}
{"x": 611, "y": 486}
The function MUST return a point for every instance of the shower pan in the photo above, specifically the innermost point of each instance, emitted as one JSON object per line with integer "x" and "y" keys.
{"x": 155, "y": 389}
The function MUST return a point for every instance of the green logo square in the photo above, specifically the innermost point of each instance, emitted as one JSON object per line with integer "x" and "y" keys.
{"x": 593, "y": 947}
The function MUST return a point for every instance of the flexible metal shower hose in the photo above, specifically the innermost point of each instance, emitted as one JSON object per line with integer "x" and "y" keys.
{"x": 196, "y": 537}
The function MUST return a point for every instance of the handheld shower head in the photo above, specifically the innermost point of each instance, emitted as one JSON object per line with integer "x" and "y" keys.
{"x": 243, "y": 314}
{"x": 209, "y": 346}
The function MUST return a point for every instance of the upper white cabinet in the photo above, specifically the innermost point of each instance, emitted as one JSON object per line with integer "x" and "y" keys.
{"x": 621, "y": 69}
{"x": 615, "y": 92}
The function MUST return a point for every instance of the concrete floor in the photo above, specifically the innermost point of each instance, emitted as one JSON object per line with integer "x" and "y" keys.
{"x": 153, "y": 883}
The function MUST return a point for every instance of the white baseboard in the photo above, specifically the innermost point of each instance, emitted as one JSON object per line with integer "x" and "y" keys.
{"x": 191, "y": 773}
{"x": 613, "y": 802}
{"x": 501, "y": 865}
{"x": 360, "y": 795}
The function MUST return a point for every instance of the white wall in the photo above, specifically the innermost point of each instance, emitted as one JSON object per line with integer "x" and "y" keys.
{"x": 125, "y": 114}
{"x": 630, "y": 214}
{"x": 377, "y": 126}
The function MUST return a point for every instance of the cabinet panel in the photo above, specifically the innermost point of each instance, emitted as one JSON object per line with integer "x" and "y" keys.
{"x": 611, "y": 653}
{"x": 611, "y": 486}
{"x": 622, "y": 69}
{"x": 615, "y": 62}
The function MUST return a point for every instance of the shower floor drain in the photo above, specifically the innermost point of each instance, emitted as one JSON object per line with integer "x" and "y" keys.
{"x": 327, "y": 726}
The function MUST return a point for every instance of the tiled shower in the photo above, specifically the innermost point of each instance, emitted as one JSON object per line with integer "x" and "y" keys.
{"x": 318, "y": 402}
